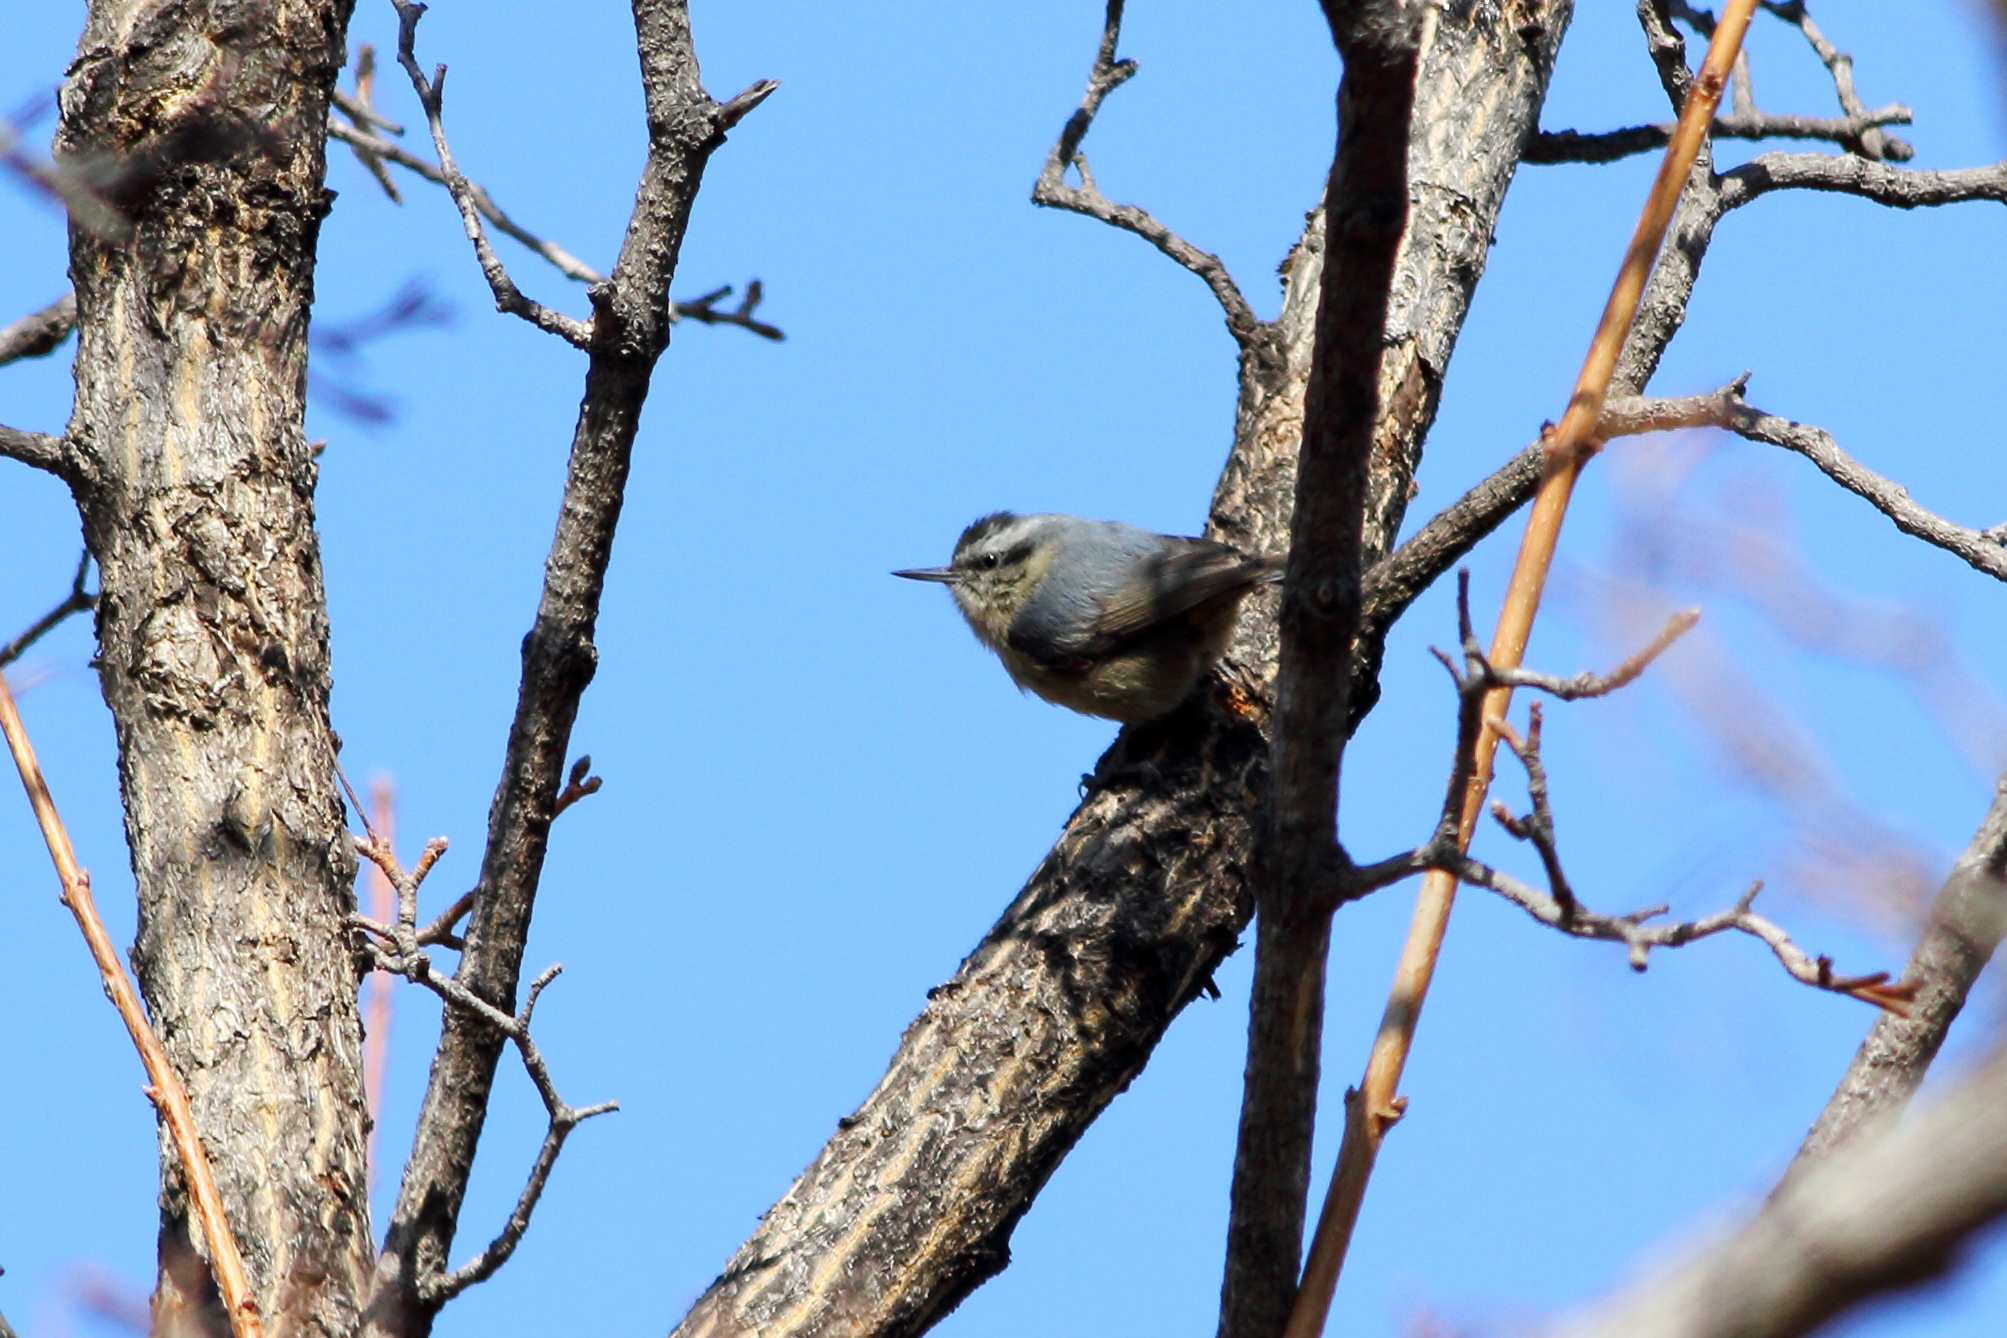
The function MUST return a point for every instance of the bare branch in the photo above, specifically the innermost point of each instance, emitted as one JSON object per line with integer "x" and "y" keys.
{"x": 704, "y": 311}
{"x": 1967, "y": 920}
{"x": 1397, "y": 580}
{"x": 37, "y": 449}
{"x": 577, "y": 786}
{"x": 631, "y": 318}
{"x": 358, "y": 110}
{"x": 1875, "y": 1219}
{"x": 1858, "y": 130}
{"x": 1366, "y": 206}
{"x": 403, "y": 958}
{"x": 1571, "y": 146}
{"x": 39, "y": 333}
{"x": 77, "y": 601}
{"x": 1872, "y": 143}
{"x": 1979, "y": 548}
{"x": 566, "y": 264}
{"x": 1559, "y": 908}
{"x": 1052, "y": 190}
{"x": 1844, "y": 174}
{"x": 430, "y": 92}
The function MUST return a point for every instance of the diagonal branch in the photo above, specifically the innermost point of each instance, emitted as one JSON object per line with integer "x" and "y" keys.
{"x": 1872, "y": 143}
{"x": 38, "y": 450}
{"x": 77, "y": 601}
{"x": 39, "y": 333}
{"x": 1398, "y": 579}
{"x": 1967, "y": 921}
{"x": 164, "y": 1086}
{"x": 629, "y": 330}
{"x": 1878, "y": 1218}
{"x": 430, "y": 92}
{"x": 1051, "y": 188}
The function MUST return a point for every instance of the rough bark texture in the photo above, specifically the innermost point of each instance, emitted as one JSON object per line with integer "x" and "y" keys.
{"x": 203, "y": 126}
{"x": 1365, "y": 210}
{"x": 911, "y": 1204}
{"x": 630, "y": 328}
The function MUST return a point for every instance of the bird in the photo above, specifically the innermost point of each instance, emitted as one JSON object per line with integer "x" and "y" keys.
{"x": 1100, "y": 617}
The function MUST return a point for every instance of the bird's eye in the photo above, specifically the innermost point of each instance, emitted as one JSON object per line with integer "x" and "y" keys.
{"x": 990, "y": 561}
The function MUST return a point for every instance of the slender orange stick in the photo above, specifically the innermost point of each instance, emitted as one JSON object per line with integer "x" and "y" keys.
{"x": 1374, "y": 1108}
{"x": 164, "y": 1087}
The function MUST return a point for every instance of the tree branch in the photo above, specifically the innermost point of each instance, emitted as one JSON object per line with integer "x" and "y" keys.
{"x": 508, "y": 297}
{"x": 1873, "y": 143}
{"x": 1873, "y": 1219}
{"x": 41, "y": 332}
{"x": 397, "y": 952}
{"x": 1967, "y": 921}
{"x": 77, "y": 601}
{"x": 629, "y": 329}
{"x": 1607, "y": 146}
{"x": 1052, "y": 191}
{"x": 1899, "y": 187}
{"x": 1397, "y": 580}
{"x": 1365, "y": 212}
{"x": 164, "y": 1086}
{"x": 1858, "y": 131}
{"x": 38, "y": 450}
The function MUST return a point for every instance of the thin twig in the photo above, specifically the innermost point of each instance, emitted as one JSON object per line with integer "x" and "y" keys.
{"x": 1607, "y": 146}
{"x": 77, "y": 601}
{"x": 1051, "y": 188}
{"x": 1859, "y": 131}
{"x": 430, "y": 92}
{"x": 164, "y": 1087}
{"x": 395, "y": 950}
{"x": 1873, "y": 143}
{"x": 1571, "y": 445}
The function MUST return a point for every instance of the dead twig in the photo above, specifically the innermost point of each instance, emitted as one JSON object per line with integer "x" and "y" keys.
{"x": 1052, "y": 191}
{"x": 394, "y": 948}
{"x": 78, "y": 600}
{"x": 164, "y": 1086}
{"x": 508, "y": 297}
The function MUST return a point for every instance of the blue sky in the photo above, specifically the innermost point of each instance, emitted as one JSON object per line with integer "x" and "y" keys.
{"x": 820, "y": 791}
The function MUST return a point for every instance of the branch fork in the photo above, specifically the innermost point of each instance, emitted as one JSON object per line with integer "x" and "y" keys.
{"x": 1053, "y": 191}
{"x": 396, "y": 949}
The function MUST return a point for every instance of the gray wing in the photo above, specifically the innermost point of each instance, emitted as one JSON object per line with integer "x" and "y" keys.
{"x": 1160, "y": 587}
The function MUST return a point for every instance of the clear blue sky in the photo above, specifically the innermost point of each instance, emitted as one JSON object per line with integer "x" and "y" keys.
{"x": 820, "y": 792}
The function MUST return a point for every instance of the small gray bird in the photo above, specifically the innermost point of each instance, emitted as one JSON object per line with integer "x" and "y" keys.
{"x": 1095, "y": 615}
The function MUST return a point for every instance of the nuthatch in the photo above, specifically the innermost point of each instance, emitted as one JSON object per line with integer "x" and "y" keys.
{"x": 1101, "y": 617}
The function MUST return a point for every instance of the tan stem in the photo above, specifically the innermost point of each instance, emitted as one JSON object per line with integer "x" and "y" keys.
{"x": 163, "y": 1084}
{"x": 1375, "y": 1107}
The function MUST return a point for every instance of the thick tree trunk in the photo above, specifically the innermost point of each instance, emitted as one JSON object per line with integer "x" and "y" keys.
{"x": 911, "y": 1204}
{"x": 203, "y": 127}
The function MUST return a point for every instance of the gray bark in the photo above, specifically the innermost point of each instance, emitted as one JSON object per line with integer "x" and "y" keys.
{"x": 203, "y": 127}
{"x": 911, "y": 1204}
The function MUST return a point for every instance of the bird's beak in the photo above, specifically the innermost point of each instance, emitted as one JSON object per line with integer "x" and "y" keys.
{"x": 945, "y": 575}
